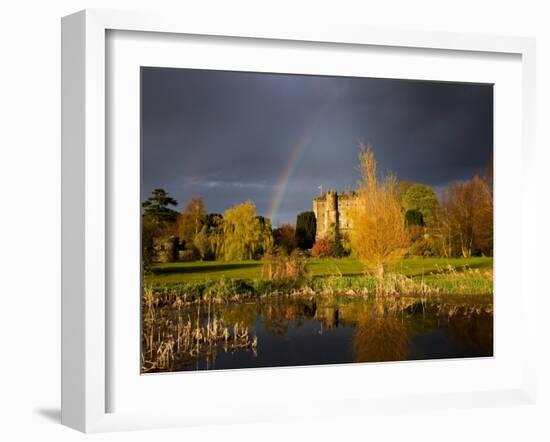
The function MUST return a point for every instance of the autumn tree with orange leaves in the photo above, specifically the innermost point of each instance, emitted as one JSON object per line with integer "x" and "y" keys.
{"x": 469, "y": 216}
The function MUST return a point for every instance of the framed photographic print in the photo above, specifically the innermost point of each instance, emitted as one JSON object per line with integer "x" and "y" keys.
{"x": 282, "y": 222}
{"x": 267, "y": 264}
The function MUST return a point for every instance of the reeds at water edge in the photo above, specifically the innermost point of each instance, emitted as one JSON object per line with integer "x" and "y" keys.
{"x": 168, "y": 341}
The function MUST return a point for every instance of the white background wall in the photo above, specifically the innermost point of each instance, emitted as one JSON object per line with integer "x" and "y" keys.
{"x": 30, "y": 215}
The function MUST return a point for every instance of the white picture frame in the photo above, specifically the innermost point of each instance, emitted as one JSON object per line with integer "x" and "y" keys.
{"x": 85, "y": 197}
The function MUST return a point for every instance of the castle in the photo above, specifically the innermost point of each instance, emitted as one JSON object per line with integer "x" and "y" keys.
{"x": 332, "y": 209}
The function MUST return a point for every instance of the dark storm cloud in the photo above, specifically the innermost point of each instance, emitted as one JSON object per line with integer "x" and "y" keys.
{"x": 229, "y": 136}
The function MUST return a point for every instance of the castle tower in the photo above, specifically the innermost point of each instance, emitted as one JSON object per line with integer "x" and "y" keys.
{"x": 319, "y": 204}
{"x": 332, "y": 210}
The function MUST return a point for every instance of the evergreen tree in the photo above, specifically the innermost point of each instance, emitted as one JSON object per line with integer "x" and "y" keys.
{"x": 306, "y": 227}
{"x": 156, "y": 207}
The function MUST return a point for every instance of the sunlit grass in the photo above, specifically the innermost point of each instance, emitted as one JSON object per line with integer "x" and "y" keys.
{"x": 416, "y": 268}
{"x": 225, "y": 282}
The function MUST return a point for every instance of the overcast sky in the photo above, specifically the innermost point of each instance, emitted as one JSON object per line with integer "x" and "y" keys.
{"x": 273, "y": 138}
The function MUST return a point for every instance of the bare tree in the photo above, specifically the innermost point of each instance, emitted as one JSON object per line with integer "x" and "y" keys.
{"x": 191, "y": 220}
{"x": 469, "y": 212}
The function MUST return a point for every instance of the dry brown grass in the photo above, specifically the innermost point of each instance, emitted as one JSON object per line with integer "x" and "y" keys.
{"x": 169, "y": 342}
{"x": 451, "y": 273}
{"x": 278, "y": 265}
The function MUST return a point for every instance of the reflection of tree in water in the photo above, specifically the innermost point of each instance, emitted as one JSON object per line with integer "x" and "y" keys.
{"x": 276, "y": 316}
{"x": 242, "y": 313}
{"x": 472, "y": 327}
{"x": 380, "y": 336}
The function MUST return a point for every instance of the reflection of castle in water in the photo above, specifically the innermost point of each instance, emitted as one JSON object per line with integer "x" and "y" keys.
{"x": 332, "y": 210}
{"x": 328, "y": 316}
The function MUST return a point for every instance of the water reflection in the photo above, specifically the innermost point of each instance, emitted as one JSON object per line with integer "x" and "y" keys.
{"x": 380, "y": 338}
{"x": 472, "y": 327}
{"x": 296, "y": 331}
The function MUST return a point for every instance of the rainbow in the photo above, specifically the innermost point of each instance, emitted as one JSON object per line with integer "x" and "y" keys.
{"x": 282, "y": 183}
{"x": 296, "y": 154}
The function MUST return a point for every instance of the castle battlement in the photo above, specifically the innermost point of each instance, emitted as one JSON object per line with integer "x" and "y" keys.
{"x": 351, "y": 195}
{"x": 331, "y": 210}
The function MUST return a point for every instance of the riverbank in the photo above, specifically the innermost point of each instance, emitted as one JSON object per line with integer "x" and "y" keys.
{"x": 226, "y": 282}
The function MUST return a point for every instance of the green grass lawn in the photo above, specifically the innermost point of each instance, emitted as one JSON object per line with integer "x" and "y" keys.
{"x": 208, "y": 270}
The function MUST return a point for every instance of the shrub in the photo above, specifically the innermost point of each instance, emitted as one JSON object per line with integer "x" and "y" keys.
{"x": 284, "y": 237}
{"x": 421, "y": 247}
{"x": 188, "y": 255}
{"x": 425, "y": 245}
{"x": 323, "y": 248}
{"x": 277, "y": 265}
{"x": 415, "y": 232}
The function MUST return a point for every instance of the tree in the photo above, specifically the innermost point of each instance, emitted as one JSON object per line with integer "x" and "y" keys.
{"x": 379, "y": 236}
{"x": 209, "y": 241}
{"x": 191, "y": 220}
{"x": 156, "y": 207}
{"x": 202, "y": 243}
{"x": 469, "y": 211}
{"x": 306, "y": 227}
{"x": 214, "y": 222}
{"x": 157, "y": 221}
{"x": 267, "y": 234}
{"x": 402, "y": 187}
{"x": 421, "y": 198}
{"x": 245, "y": 235}
{"x": 414, "y": 218}
{"x": 415, "y": 227}
{"x": 149, "y": 230}
{"x": 284, "y": 237}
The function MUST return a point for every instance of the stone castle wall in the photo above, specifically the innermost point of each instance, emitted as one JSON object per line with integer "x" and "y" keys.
{"x": 332, "y": 209}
